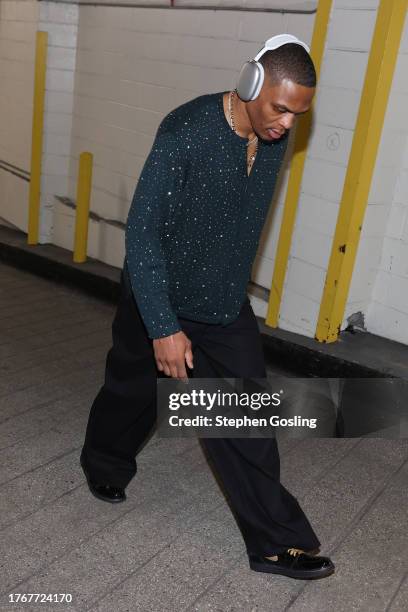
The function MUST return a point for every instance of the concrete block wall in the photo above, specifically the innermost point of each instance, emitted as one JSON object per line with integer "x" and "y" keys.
{"x": 18, "y": 25}
{"x": 336, "y": 107}
{"x": 387, "y": 313}
{"x": 381, "y": 258}
{"x": 61, "y": 23}
{"x": 378, "y": 287}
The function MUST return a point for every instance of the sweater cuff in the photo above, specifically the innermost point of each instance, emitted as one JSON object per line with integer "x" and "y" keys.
{"x": 158, "y": 330}
{"x": 158, "y": 316}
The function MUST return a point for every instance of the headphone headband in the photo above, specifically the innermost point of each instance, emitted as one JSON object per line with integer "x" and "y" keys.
{"x": 278, "y": 41}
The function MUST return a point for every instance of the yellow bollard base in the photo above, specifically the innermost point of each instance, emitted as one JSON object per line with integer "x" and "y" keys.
{"x": 79, "y": 259}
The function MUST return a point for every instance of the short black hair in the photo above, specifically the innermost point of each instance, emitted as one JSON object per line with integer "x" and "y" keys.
{"x": 290, "y": 61}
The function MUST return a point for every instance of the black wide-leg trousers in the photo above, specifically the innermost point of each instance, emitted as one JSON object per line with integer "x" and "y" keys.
{"x": 124, "y": 413}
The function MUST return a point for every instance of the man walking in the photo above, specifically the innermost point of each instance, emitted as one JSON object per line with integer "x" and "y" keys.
{"x": 191, "y": 237}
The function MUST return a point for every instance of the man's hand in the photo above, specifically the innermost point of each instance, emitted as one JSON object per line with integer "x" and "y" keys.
{"x": 171, "y": 353}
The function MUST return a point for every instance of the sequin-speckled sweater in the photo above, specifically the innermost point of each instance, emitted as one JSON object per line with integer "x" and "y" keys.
{"x": 195, "y": 219}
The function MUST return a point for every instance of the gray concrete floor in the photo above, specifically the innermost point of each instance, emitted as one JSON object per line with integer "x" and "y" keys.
{"x": 173, "y": 545}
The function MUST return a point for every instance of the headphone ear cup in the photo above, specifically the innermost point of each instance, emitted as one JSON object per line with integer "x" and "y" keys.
{"x": 250, "y": 80}
{"x": 260, "y": 80}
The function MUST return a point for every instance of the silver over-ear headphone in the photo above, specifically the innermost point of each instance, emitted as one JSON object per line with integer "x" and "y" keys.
{"x": 252, "y": 73}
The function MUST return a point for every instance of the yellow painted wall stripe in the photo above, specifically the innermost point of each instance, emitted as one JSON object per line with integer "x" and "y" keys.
{"x": 296, "y": 172}
{"x": 373, "y": 105}
{"x": 37, "y": 136}
{"x": 82, "y": 206}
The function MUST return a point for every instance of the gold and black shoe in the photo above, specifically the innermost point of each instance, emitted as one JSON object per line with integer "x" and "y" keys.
{"x": 294, "y": 563}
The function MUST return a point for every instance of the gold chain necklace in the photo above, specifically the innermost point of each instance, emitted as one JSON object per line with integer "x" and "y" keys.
{"x": 232, "y": 124}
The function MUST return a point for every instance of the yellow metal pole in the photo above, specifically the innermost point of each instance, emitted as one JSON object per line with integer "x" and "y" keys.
{"x": 37, "y": 136}
{"x": 82, "y": 206}
{"x": 373, "y": 105}
{"x": 296, "y": 172}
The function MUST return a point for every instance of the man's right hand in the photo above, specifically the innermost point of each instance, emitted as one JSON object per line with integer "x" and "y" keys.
{"x": 172, "y": 353}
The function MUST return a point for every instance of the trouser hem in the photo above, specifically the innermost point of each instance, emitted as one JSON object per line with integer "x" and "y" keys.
{"x": 281, "y": 549}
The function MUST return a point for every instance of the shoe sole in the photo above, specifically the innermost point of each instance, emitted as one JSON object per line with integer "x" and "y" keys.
{"x": 312, "y": 575}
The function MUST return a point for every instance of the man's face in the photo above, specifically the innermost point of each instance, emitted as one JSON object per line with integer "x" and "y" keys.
{"x": 275, "y": 110}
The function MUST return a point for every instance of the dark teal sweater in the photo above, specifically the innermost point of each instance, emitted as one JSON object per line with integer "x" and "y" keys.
{"x": 195, "y": 219}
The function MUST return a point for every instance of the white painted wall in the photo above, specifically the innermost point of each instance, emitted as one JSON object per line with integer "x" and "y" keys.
{"x": 379, "y": 288}
{"x": 336, "y": 107}
{"x": 18, "y": 24}
{"x": 114, "y": 72}
{"x": 379, "y": 284}
{"x": 61, "y": 23}
{"x": 387, "y": 312}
